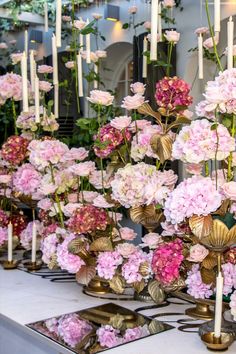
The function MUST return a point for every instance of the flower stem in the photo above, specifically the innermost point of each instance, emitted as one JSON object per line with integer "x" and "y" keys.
{"x": 14, "y": 116}
{"x": 170, "y": 48}
{"x": 213, "y": 37}
{"x": 230, "y": 158}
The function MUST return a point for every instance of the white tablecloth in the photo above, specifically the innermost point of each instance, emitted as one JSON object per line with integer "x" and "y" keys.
{"x": 26, "y": 298}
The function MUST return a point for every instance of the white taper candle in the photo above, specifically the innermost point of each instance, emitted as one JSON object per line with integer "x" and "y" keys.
{"x": 36, "y": 99}
{"x": 95, "y": 83}
{"x": 145, "y": 47}
{"x": 58, "y": 23}
{"x": 26, "y": 39}
{"x": 54, "y": 60}
{"x": 10, "y": 241}
{"x": 217, "y": 15}
{"x": 200, "y": 57}
{"x": 32, "y": 69}
{"x": 218, "y": 305}
{"x": 88, "y": 47}
{"x": 56, "y": 101}
{"x": 34, "y": 242}
{"x": 154, "y": 28}
{"x": 80, "y": 75}
{"x": 24, "y": 76}
{"x": 159, "y": 22}
{"x": 230, "y": 43}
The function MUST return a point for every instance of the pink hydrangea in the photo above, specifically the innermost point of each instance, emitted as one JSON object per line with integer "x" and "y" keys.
{"x": 233, "y": 304}
{"x": 130, "y": 270}
{"x": 194, "y": 196}
{"x": 172, "y": 92}
{"x": 49, "y": 247}
{"x": 26, "y": 179}
{"x": 166, "y": 262}
{"x": 46, "y": 152}
{"x": 66, "y": 260}
{"x": 195, "y": 285}
{"x": 107, "y": 264}
{"x": 26, "y": 120}
{"x": 72, "y": 329}
{"x": 111, "y": 138}
{"x": 82, "y": 169}
{"x": 101, "y": 202}
{"x": 88, "y": 219}
{"x": 3, "y": 235}
{"x": 229, "y": 275}
{"x": 76, "y": 154}
{"x": 14, "y": 150}
{"x": 100, "y": 179}
{"x": 26, "y": 234}
{"x": 45, "y": 204}
{"x": 141, "y": 184}
{"x": 108, "y": 336}
{"x": 198, "y": 142}
{"x": 10, "y": 87}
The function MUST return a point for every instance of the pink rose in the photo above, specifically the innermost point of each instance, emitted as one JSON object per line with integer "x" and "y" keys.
{"x": 45, "y": 69}
{"x": 79, "y": 154}
{"x": 121, "y": 122}
{"x": 126, "y": 249}
{"x": 138, "y": 87}
{"x": 194, "y": 168}
{"x": 234, "y": 51}
{"x": 140, "y": 124}
{"x": 93, "y": 56}
{"x": 208, "y": 43}
{"x": 116, "y": 217}
{"x": 188, "y": 114}
{"x": 101, "y": 54}
{"x": 45, "y": 86}
{"x": 132, "y": 10}
{"x": 168, "y": 3}
{"x": 96, "y": 16}
{"x": 13, "y": 42}
{"x": 101, "y": 202}
{"x": 83, "y": 169}
{"x": 102, "y": 98}
{"x": 16, "y": 58}
{"x": 5, "y": 179}
{"x": 147, "y": 25}
{"x": 79, "y": 24}
{"x": 127, "y": 234}
{"x": 172, "y": 36}
{"x": 201, "y": 30}
{"x": 3, "y": 45}
{"x": 45, "y": 204}
{"x": 88, "y": 196}
{"x": 229, "y": 190}
{"x": 133, "y": 102}
{"x": 151, "y": 240}
{"x": 66, "y": 18}
{"x": 197, "y": 253}
{"x": 72, "y": 197}
{"x": 70, "y": 65}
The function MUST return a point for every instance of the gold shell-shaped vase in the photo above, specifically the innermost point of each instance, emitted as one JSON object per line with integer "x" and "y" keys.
{"x": 220, "y": 237}
{"x": 147, "y": 215}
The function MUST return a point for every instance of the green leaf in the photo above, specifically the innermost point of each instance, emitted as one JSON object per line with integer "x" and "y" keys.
{"x": 214, "y": 126}
{"x": 125, "y": 25}
{"x": 50, "y": 103}
{"x": 227, "y": 122}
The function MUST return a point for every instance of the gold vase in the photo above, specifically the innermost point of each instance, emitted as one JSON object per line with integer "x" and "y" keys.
{"x": 97, "y": 286}
{"x": 148, "y": 216}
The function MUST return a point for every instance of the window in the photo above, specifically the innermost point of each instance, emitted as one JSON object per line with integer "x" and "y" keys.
{"x": 123, "y": 84}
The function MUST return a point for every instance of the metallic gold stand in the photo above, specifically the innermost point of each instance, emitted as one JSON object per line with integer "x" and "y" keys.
{"x": 201, "y": 311}
{"x": 10, "y": 265}
{"x": 217, "y": 344}
{"x": 97, "y": 286}
{"x": 33, "y": 266}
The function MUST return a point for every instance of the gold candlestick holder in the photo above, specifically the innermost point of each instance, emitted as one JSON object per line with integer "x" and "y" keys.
{"x": 217, "y": 344}
{"x": 7, "y": 265}
{"x": 33, "y": 266}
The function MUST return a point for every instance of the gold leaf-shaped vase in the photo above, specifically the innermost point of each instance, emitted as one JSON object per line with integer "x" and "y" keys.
{"x": 162, "y": 146}
{"x": 220, "y": 237}
{"x": 147, "y": 215}
{"x": 201, "y": 226}
{"x": 102, "y": 244}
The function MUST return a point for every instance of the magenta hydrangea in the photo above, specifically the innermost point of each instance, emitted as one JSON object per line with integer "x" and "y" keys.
{"x": 194, "y": 196}
{"x": 14, "y": 150}
{"x": 66, "y": 260}
{"x": 172, "y": 92}
{"x": 195, "y": 285}
{"x": 108, "y": 139}
{"x": 26, "y": 180}
{"x": 198, "y": 142}
{"x": 3, "y": 218}
{"x": 3, "y": 235}
{"x": 166, "y": 261}
{"x": 107, "y": 264}
{"x": 72, "y": 329}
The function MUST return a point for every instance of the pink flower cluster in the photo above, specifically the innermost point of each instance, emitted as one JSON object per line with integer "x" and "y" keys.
{"x": 10, "y": 87}
{"x": 87, "y": 219}
{"x": 110, "y": 138}
{"x": 26, "y": 120}
{"x": 219, "y": 95}
{"x": 198, "y": 142}
{"x": 229, "y": 274}
{"x": 72, "y": 329}
{"x": 107, "y": 264}
{"x": 233, "y": 304}
{"x": 141, "y": 184}
{"x": 194, "y": 196}
{"x": 49, "y": 247}
{"x": 166, "y": 262}
{"x": 130, "y": 269}
{"x": 172, "y": 92}
{"x": 14, "y": 150}
{"x": 26, "y": 234}
{"x": 3, "y": 235}
{"x": 26, "y": 179}
{"x": 66, "y": 260}
{"x": 195, "y": 285}
{"x": 46, "y": 152}
{"x": 110, "y": 337}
